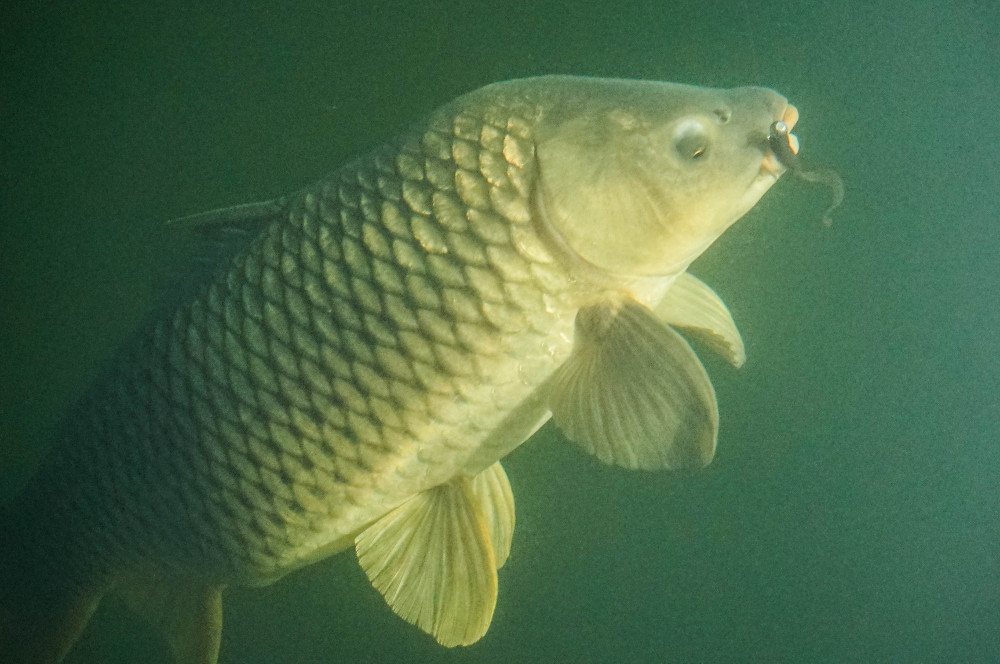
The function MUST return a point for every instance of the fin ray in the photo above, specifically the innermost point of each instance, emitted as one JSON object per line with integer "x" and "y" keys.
{"x": 633, "y": 393}
{"x": 432, "y": 560}
{"x": 692, "y": 305}
{"x": 236, "y": 219}
{"x": 496, "y": 504}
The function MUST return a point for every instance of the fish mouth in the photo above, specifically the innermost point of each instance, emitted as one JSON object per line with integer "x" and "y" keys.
{"x": 771, "y": 164}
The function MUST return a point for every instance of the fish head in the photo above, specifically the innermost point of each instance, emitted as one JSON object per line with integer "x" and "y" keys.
{"x": 640, "y": 177}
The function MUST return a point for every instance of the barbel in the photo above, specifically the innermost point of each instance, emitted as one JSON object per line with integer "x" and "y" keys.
{"x": 779, "y": 140}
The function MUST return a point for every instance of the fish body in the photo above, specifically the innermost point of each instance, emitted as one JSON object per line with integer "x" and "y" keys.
{"x": 352, "y": 375}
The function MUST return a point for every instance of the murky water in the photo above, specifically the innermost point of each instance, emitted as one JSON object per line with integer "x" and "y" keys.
{"x": 851, "y": 511}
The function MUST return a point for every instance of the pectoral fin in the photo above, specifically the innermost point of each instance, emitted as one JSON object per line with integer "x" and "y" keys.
{"x": 434, "y": 558}
{"x": 693, "y": 306}
{"x": 633, "y": 393}
{"x": 188, "y": 614}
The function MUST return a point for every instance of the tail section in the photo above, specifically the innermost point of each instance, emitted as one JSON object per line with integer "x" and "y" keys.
{"x": 42, "y": 627}
{"x": 51, "y": 582}
{"x": 188, "y": 615}
{"x": 39, "y": 625}
{"x": 42, "y": 612}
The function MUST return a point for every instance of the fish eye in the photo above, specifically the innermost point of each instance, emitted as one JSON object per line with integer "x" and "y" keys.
{"x": 690, "y": 140}
{"x": 722, "y": 114}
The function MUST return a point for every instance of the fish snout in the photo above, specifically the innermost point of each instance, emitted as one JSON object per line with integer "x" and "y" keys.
{"x": 790, "y": 116}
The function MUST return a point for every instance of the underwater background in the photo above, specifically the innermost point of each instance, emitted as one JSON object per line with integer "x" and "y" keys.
{"x": 852, "y": 513}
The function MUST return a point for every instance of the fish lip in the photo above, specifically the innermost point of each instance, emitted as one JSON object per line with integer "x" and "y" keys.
{"x": 770, "y": 164}
{"x": 789, "y": 115}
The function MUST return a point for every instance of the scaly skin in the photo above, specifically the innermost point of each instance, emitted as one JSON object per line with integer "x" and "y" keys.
{"x": 355, "y": 354}
{"x": 391, "y": 328}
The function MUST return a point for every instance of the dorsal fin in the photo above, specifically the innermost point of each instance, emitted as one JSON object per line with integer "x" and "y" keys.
{"x": 217, "y": 236}
{"x": 223, "y": 223}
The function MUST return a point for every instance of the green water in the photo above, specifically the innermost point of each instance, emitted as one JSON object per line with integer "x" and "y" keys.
{"x": 852, "y": 513}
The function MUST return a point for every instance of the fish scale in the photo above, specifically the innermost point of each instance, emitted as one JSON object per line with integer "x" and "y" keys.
{"x": 334, "y": 368}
